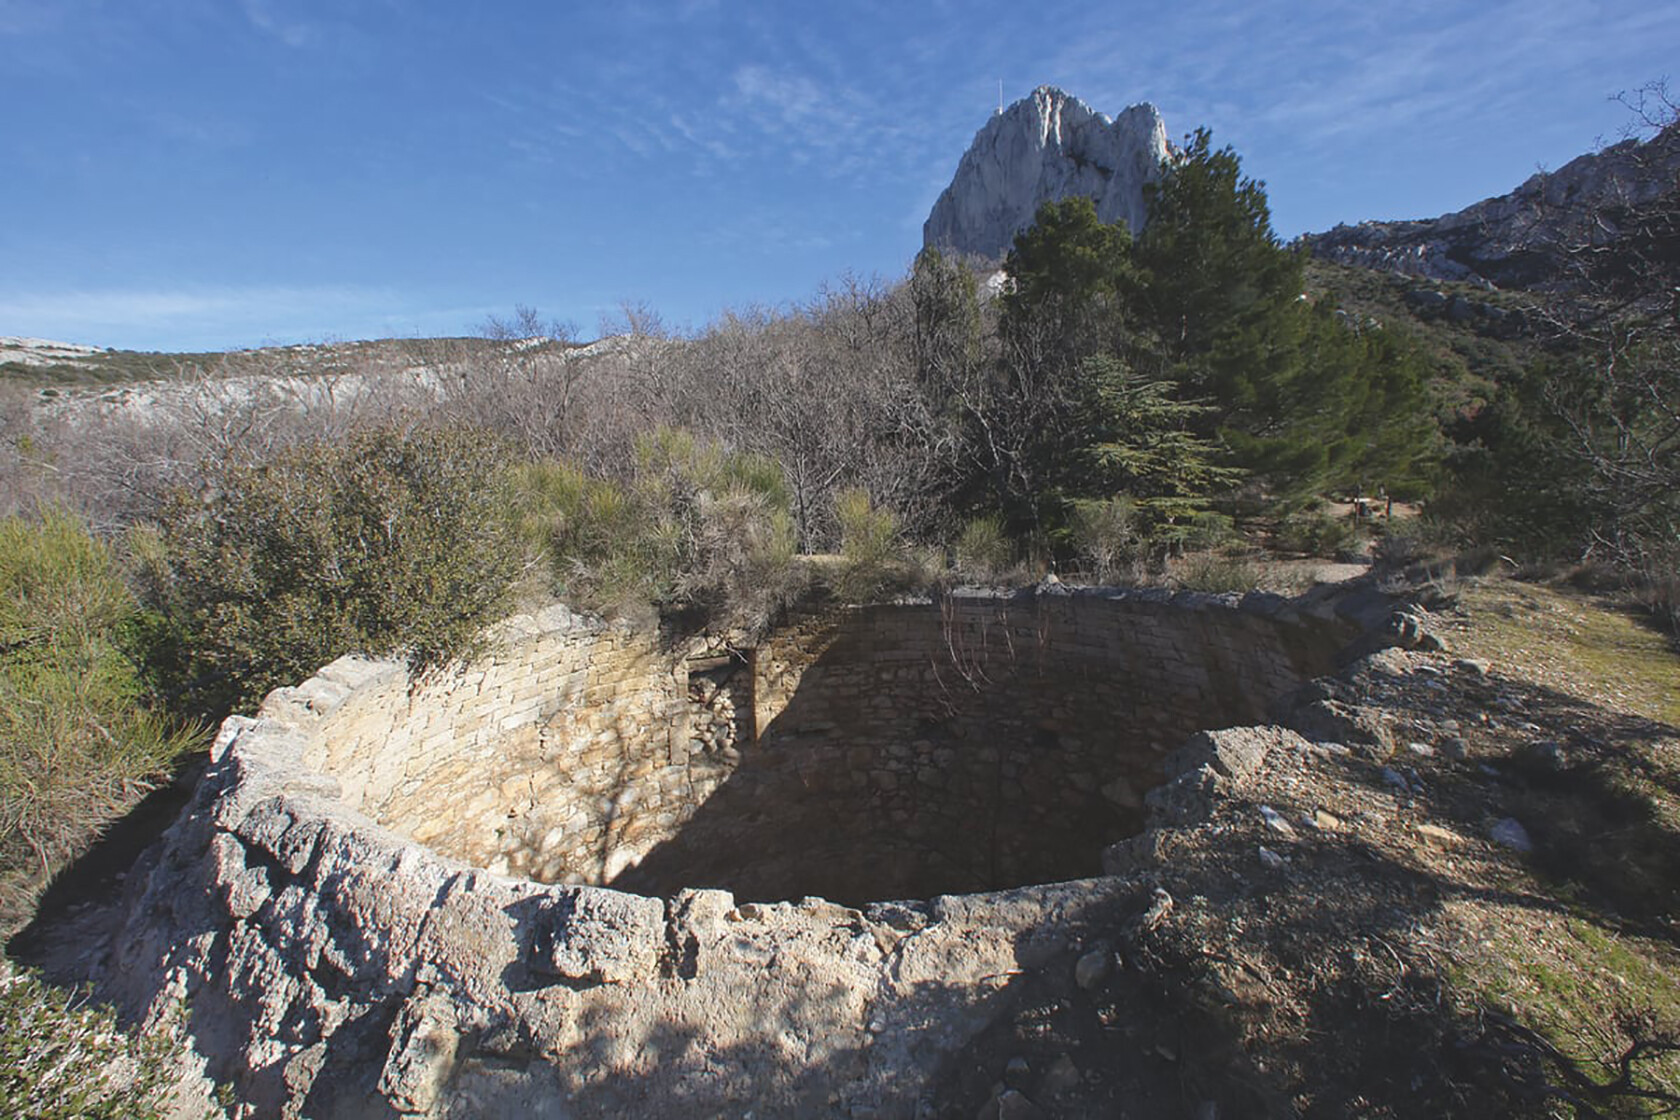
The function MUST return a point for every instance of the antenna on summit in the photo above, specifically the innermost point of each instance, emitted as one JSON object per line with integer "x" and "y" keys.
{"x": 1000, "y": 97}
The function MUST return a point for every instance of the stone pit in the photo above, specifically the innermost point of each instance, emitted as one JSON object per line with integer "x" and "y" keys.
{"x": 887, "y": 752}
{"x": 590, "y": 874}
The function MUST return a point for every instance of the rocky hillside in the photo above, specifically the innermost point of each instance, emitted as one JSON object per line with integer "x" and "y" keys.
{"x": 1044, "y": 148}
{"x": 1524, "y": 239}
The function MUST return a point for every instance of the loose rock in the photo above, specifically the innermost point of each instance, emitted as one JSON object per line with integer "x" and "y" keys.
{"x": 1093, "y": 968}
{"x": 1062, "y": 1076}
{"x": 1509, "y": 832}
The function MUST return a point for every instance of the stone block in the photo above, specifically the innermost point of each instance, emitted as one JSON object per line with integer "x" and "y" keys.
{"x": 1330, "y": 721}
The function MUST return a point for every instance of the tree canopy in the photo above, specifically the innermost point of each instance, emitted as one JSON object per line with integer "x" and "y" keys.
{"x": 1193, "y": 347}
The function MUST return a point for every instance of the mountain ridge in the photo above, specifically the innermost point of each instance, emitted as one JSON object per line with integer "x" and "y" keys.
{"x": 1522, "y": 239}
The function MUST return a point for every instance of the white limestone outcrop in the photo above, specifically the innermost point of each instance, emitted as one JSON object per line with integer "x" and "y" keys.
{"x": 1525, "y": 238}
{"x": 1045, "y": 148}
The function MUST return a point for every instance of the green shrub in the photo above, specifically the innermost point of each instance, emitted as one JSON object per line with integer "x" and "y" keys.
{"x": 726, "y": 517}
{"x": 1402, "y": 543}
{"x": 698, "y": 530}
{"x": 1206, "y": 529}
{"x": 78, "y": 742}
{"x": 604, "y": 542}
{"x": 388, "y": 542}
{"x": 1318, "y": 534}
{"x": 675, "y": 461}
{"x": 1215, "y": 572}
{"x": 739, "y": 560}
{"x": 1109, "y": 536}
{"x": 870, "y": 551}
{"x": 61, "y": 1059}
{"x": 984, "y": 551}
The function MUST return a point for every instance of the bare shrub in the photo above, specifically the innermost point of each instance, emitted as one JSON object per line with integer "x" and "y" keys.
{"x": 1657, "y": 586}
{"x": 829, "y": 391}
{"x": 524, "y": 381}
{"x": 116, "y": 455}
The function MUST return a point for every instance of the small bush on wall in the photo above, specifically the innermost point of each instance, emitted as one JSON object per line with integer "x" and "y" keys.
{"x": 871, "y": 553}
{"x": 392, "y": 541}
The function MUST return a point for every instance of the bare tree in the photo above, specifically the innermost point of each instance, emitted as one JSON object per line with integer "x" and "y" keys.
{"x": 524, "y": 383}
{"x": 1619, "y": 401}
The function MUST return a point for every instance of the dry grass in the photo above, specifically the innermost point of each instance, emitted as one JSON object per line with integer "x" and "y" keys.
{"x": 1573, "y": 642}
{"x": 1597, "y": 970}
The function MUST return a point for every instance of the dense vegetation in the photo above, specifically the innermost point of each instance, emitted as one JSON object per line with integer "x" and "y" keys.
{"x": 1186, "y": 371}
{"x": 1119, "y": 403}
{"x": 61, "y": 1059}
{"x": 389, "y": 540}
{"x": 80, "y": 735}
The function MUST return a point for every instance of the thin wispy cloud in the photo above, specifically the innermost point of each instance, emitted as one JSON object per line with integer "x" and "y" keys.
{"x": 206, "y": 128}
{"x": 262, "y": 16}
{"x": 1375, "y": 99}
{"x": 807, "y": 120}
{"x": 532, "y": 150}
{"x": 215, "y": 317}
{"x": 698, "y": 152}
{"x": 1338, "y": 70}
{"x": 762, "y": 235}
{"x": 696, "y": 133}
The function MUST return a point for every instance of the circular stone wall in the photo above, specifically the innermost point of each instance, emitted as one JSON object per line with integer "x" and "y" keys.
{"x": 324, "y": 963}
{"x": 885, "y": 752}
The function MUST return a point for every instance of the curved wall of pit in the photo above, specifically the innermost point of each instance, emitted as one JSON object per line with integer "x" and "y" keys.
{"x": 558, "y": 757}
{"x": 895, "y": 751}
{"x": 324, "y": 964}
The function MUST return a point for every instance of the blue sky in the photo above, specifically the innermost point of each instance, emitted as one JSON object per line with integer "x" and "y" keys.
{"x": 185, "y": 174}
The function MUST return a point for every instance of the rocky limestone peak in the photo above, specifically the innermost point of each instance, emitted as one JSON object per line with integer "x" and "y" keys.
{"x": 1047, "y": 147}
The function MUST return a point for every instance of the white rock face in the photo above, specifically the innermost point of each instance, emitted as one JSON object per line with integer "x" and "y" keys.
{"x": 41, "y": 351}
{"x": 1044, "y": 148}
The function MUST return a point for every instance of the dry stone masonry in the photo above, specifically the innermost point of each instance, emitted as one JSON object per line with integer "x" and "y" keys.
{"x": 394, "y": 897}
{"x": 911, "y": 750}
